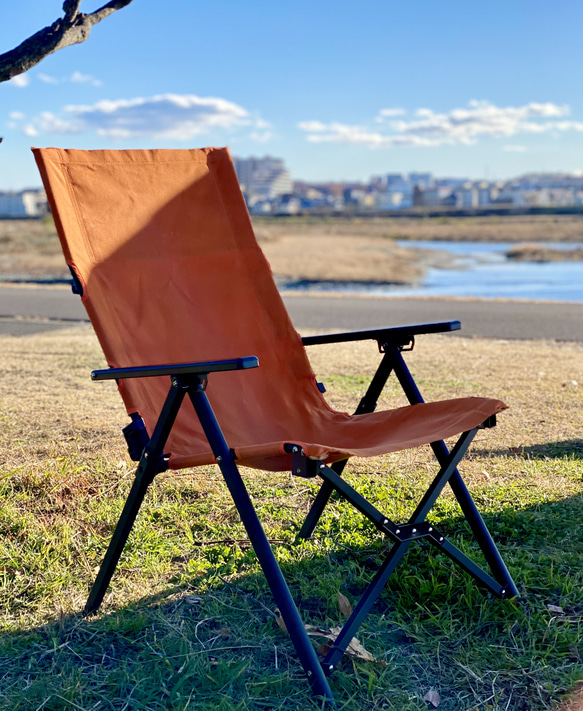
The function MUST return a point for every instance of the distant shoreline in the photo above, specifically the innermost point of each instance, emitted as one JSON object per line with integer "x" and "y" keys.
{"x": 317, "y": 249}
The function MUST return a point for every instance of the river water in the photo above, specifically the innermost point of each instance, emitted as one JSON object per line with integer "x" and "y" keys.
{"x": 480, "y": 269}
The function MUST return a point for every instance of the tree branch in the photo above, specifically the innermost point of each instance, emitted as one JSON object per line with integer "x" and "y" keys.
{"x": 73, "y": 28}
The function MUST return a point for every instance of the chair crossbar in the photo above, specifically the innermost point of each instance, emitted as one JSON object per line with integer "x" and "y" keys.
{"x": 416, "y": 528}
{"x": 499, "y": 583}
{"x": 457, "y": 484}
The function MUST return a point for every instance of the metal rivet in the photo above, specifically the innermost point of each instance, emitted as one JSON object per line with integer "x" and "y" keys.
{"x": 322, "y": 466}
{"x": 310, "y": 672}
{"x": 294, "y": 449}
{"x": 219, "y": 458}
{"x": 430, "y": 529}
{"x": 385, "y": 521}
{"x": 398, "y": 531}
{"x": 145, "y": 455}
{"x": 502, "y": 592}
{"x": 414, "y": 530}
{"x": 440, "y": 539}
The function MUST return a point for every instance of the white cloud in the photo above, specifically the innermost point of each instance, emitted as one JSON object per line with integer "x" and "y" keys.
{"x": 389, "y": 113}
{"x": 261, "y": 136}
{"x": 358, "y": 135}
{"x": 177, "y": 117}
{"x": 78, "y": 78}
{"x": 20, "y": 80}
{"x": 514, "y": 149}
{"x": 313, "y": 126}
{"x": 16, "y": 115}
{"x": 46, "y": 79}
{"x": 75, "y": 78}
{"x": 459, "y": 126}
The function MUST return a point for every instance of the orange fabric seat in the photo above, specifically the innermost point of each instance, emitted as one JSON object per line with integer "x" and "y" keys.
{"x": 171, "y": 272}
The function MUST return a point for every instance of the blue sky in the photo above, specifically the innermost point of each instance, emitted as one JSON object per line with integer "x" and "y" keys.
{"x": 340, "y": 90}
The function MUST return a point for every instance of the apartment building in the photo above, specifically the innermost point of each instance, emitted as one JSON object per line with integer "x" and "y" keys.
{"x": 26, "y": 203}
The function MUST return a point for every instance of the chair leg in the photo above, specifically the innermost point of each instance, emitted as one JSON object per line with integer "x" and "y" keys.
{"x": 364, "y": 605}
{"x": 483, "y": 536}
{"x": 151, "y": 463}
{"x": 118, "y": 540}
{"x": 473, "y": 517}
{"x": 398, "y": 549}
{"x": 262, "y": 547}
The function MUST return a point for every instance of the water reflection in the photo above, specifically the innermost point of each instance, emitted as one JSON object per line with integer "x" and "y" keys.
{"x": 477, "y": 269}
{"x": 489, "y": 274}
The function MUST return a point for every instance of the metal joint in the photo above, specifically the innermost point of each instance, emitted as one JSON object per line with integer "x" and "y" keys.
{"x": 302, "y": 465}
{"x": 490, "y": 422}
{"x": 406, "y": 345}
{"x": 194, "y": 382}
{"x": 413, "y": 531}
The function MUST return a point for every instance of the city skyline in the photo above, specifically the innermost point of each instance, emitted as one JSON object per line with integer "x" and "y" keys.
{"x": 339, "y": 94}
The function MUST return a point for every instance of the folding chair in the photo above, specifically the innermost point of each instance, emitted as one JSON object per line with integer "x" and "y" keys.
{"x": 162, "y": 252}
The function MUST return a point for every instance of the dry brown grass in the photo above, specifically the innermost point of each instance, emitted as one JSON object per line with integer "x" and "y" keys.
{"x": 341, "y": 258}
{"x": 32, "y": 248}
{"x": 493, "y": 228}
{"x": 353, "y": 249}
{"x": 50, "y": 408}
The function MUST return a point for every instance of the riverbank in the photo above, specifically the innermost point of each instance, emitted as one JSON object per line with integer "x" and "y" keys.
{"x": 353, "y": 249}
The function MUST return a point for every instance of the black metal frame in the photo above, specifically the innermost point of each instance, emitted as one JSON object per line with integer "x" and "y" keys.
{"x": 191, "y": 379}
{"x": 391, "y": 342}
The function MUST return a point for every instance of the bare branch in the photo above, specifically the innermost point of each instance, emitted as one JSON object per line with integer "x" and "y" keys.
{"x": 73, "y": 28}
{"x": 71, "y": 9}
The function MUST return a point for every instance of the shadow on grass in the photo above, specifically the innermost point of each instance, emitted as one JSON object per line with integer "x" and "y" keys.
{"x": 565, "y": 449}
{"x": 214, "y": 644}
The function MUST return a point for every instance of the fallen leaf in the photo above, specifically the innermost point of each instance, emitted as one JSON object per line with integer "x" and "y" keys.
{"x": 432, "y": 697}
{"x": 344, "y": 605}
{"x": 556, "y": 609}
{"x": 280, "y": 621}
{"x": 354, "y": 649}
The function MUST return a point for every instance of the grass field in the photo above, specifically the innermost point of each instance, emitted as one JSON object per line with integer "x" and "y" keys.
{"x": 189, "y": 623}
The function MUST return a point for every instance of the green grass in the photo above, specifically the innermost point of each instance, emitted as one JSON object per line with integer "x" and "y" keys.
{"x": 189, "y": 622}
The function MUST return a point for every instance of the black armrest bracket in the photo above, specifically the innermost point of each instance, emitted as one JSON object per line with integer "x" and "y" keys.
{"x": 400, "y": 336}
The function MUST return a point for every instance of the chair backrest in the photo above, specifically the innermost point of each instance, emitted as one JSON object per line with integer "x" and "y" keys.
{"x": 163, "y": 247}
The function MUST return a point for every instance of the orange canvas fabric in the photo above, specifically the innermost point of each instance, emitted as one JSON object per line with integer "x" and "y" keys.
{"x": 171, "y": 272}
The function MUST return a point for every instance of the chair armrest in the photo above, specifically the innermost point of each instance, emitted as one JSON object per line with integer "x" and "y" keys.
{"x": 397, "y": 335}
{"x": 149, "y": 371}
